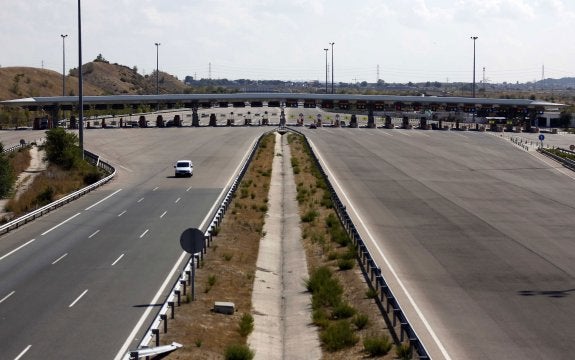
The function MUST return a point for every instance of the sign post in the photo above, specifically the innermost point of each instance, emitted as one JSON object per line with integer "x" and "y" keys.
{"x": 192, "y": 241}
{"x": 541, "y": 138}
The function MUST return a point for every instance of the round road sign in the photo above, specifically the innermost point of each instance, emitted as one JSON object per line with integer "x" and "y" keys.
{"x": 541, "y": 137}
{"x": 192, "y": 240}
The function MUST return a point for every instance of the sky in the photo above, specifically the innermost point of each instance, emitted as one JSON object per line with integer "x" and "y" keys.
{"x": 391, "y": 40}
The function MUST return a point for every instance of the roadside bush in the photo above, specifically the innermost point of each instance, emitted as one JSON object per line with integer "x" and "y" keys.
{"x": 7, "y": 175}
{"x": 338, "y": 335}
{"x": 377, "y": 345}
{"x": 309, "y": 216}
{"x": 61, "y": 148}
{"x": 345, "y": 264}
{"x": 246, "y": 324}
{"x": 403, "y": 351}
{"x": 238, "y": 352}
{"x": 342, "y": 311}
{"x": 360, "y": 321}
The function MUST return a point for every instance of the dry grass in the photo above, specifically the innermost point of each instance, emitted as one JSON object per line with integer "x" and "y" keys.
{"x": 50, "y": 185}
{"x": 20, "y": 160}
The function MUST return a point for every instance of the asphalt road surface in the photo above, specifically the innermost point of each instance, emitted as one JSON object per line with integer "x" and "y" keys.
{"x": 78, "y": 281}
{"x": 474, "y": 234}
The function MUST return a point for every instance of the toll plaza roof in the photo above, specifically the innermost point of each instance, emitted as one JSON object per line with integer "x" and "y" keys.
{"x": 48, "y": 102}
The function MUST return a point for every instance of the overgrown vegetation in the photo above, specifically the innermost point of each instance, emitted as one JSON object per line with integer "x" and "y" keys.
{"x": 7, "y": 174}
{"x": 67, "y": 172}
{"x": 340, "y": 302}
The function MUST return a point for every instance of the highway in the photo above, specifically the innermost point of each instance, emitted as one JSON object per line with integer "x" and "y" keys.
{"x": 77, "y": 282}
{"x": 474, "y": 234}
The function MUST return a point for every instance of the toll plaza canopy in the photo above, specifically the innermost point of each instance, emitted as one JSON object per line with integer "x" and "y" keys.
{"x": 488, "y": 106}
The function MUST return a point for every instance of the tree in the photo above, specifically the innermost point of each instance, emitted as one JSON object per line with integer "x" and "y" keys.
{"x": 61, "y": 148}
{"x": 7, "y": 176}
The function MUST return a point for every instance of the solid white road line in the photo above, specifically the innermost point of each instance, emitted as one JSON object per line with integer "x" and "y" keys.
{"x": 122, "y": 213}
{"x": 6, "y": 297}
{"x": 60, "y": 224}
{"x": 78, "y": 298}
{"x": 144, "y": 233}
{"x": 118, "y": 259}
{"x": 60, "y": 258}
{"x": 387, "y": 263}
{"x": 104, "y": 199}
{"x": 93, "y": 234}
{"x": 23, "y": 352}
{"x": 18, "y": 248}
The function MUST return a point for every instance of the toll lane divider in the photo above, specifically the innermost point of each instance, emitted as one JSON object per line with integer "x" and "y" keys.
{"x": 184, "y": 281}
{"x": 91, "y": 158}
{"x": 386, "y": 300}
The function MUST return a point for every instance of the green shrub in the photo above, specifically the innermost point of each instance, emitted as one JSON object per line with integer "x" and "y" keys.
{"x": 377, "y": 345}
{"x": 238, "y": 352}
{"x": 342, "y": 311}
{"x": 339, "y": 236}
{"x": 246, "y": 324}
{"x": 331, "y": 220}
{"x": 310, "y": 216}
{"x": 338, "y": 335}
{"x": 371, "y": 293}
{"x": 403, "y": 351}
{"x": 360, "y": 321}
{"x": 320, "y": 318}
{"x": 326, "y": 290}
{"x": 345, "y": 264}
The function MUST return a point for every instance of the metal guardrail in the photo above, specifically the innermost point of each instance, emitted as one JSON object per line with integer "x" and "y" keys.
{"x": 568, "y": 163}
{"x": 184, "y": 280}
{"x": 386, "y": 300}
{"x": 94, "y": 159}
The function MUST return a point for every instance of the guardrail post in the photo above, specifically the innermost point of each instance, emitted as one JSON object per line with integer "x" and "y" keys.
{"x": 171, "y": 306}
{"x": 164, "y": 318}
{"x": 156, "y": 333}
{"x": 178, "y": 294}
{"x": 183, "y": 282}
{"x": 134, "y": 355}
{"x": 189, "y": 275}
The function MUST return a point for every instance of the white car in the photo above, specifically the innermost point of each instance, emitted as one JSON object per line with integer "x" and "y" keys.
{"x": 184, "y": 168}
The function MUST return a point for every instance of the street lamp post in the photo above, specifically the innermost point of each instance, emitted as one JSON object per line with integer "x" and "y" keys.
{"x": 474, "y": 38}
{"x": 157, "y": 68}
{"x": 80, "y": 83}
{"x": 326, "y": 70}
{"x": 64, "y": 63}
{"x": 332, "y": 43}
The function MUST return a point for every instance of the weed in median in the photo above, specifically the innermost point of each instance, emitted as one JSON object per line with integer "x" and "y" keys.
{"x": 238, "y": 352}
{"x": 246, "y": 324}
{"x": 377, "y": 345}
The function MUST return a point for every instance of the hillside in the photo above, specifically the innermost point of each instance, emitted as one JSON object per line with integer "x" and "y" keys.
{"x": 116, "y": 79}
{"x": 21, "y": 82}
{"x": 100, "y": 78}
